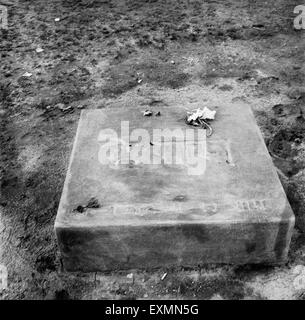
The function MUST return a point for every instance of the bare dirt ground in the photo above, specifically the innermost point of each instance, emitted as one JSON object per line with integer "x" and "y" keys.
{"x": 106, "y": 53}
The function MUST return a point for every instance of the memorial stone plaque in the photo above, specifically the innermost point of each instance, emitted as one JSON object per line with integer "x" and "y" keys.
{"x": 144, "y": 192}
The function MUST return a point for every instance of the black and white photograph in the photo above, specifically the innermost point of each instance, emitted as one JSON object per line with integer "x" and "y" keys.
{"x": 152, "y": 150}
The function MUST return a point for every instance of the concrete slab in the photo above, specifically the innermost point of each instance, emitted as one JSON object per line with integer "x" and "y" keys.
{"x": 229, "y": 207}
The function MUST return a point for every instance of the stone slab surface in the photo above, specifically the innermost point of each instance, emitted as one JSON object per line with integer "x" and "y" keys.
{"x": 160, "y": 215}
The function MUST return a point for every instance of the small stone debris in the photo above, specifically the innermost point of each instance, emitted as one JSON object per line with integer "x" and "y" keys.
{"x": 63, "y": 108}
{"x": 39, "y": 50}
{"x": 164, "y": 276}
{"x": 68, "y": 108}
{"x": 147, "y": 113}
{"x": 27, "y": 74}
{"x": 131, "y": 277}
{"x": 139, "y": 77}
{"x": 60, "y": 106}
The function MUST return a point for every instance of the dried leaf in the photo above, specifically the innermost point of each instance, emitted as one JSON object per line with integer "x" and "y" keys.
{"x": 93, "y": 203}
{"x": 203, "y": 114}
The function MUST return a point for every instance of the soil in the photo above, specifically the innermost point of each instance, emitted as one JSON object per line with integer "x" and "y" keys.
{"x": 105, "y": 54}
